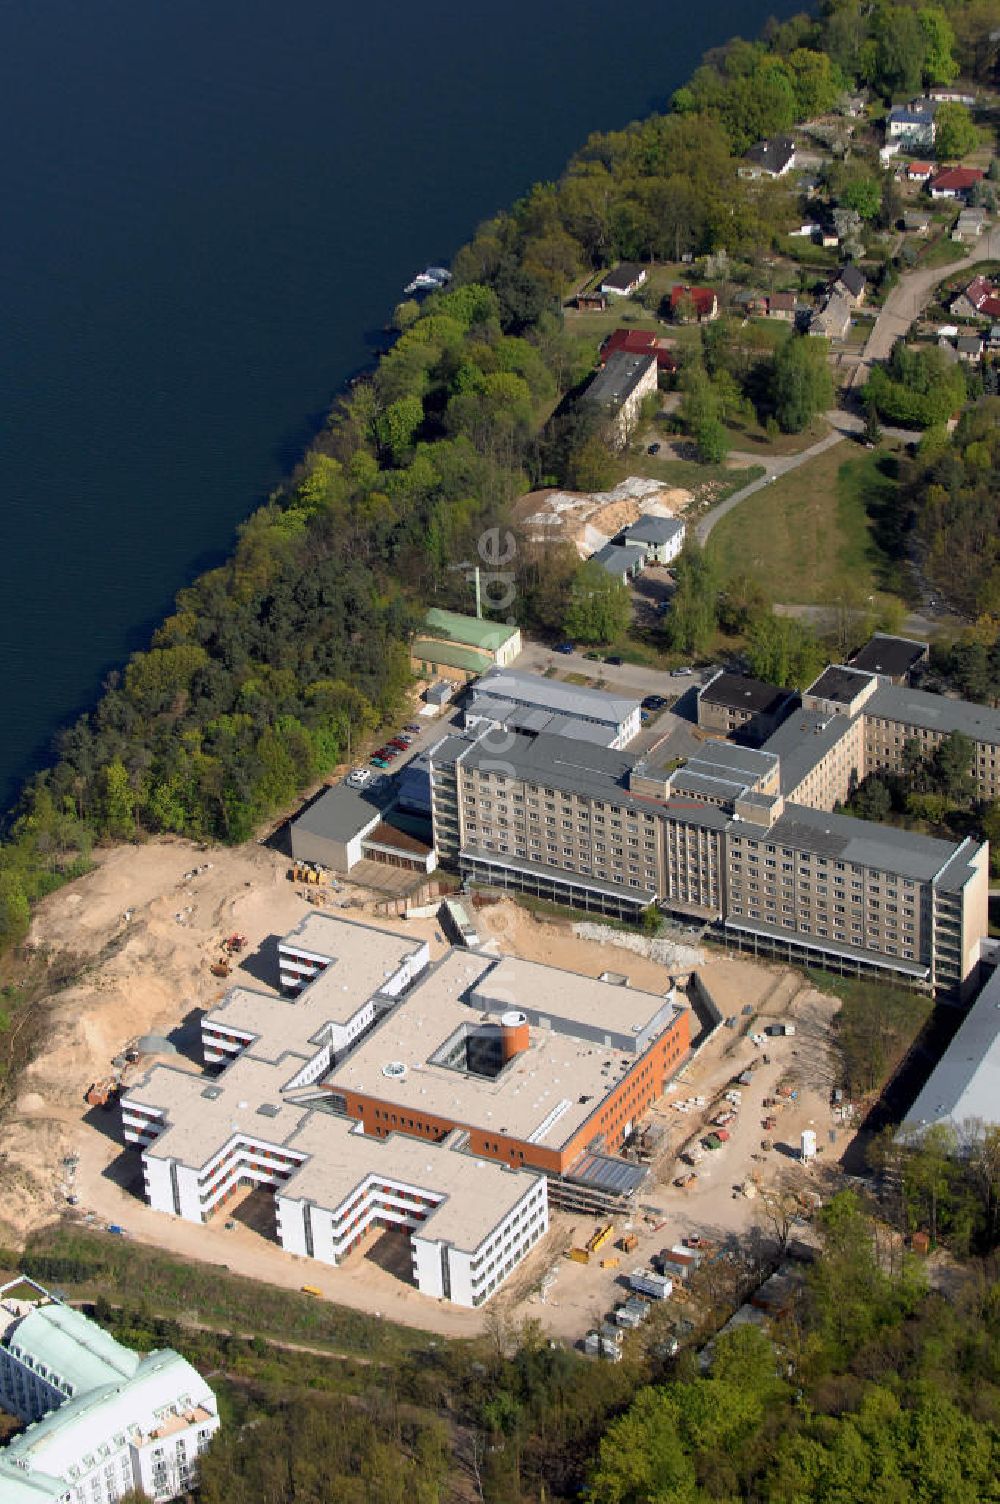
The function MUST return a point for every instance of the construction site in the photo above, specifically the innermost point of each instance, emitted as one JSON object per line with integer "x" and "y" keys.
{"x": 162, "y": 930}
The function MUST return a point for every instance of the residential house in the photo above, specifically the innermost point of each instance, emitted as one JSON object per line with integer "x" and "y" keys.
{"x": 912, "y": 124}
{"x": 970, "y": 303}
{"x": 851, "y": 284}
{"x": 620, "y": 562}
{"x": 995, "y": 337}
{"x": 626, "y": 279}
{"x": 769, "y": 159}
{"x": 700, "y": 304}
{"x": 639, "y": 342}
{"x": 618, "y": 390}
{"x": 592, "y": 302}
{"x": 970, "y": 348}
{"x": 660, "y": 538}
{"x": 970, "y": 224}
{"x": 833, "y": 320}
{"x": 955, "y": 182}
{"x": 952, "y": 96}
{"x": 919, "y": 172}
{"x": 917, "y": 221}
{"x": 782, "y": 305}
{"x": 751, "y": 303}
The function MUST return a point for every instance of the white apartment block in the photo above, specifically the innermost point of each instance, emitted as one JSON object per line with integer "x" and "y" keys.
{"x": 101, "y": 1421}
{"x": 260, "y": 1123}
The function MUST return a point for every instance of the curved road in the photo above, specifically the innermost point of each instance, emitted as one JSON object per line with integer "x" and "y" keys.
{"x": 904, "y": 303}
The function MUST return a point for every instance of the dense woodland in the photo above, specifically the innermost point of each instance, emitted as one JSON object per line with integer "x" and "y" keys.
{"x": 270, "y": 664}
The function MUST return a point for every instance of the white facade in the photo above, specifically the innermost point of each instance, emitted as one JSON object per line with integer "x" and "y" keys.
{"x": 118, "y": 1421}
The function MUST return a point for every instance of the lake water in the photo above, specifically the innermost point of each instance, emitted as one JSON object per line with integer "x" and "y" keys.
{"x": 208, "y": 209}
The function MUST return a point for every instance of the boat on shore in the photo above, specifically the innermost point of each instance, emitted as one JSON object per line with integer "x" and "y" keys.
{"x": 431, "y": 279}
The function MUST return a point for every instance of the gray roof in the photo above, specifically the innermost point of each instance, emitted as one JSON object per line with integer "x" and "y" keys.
{"x": 617, "y": 559}
{"x": 802, "y": 740}
{"x": 738, "y": 692}
{"x": 723, "y": 770}
{"x": 623, "y": 275}
{"x": 846, "y": 839}
{"x": 576, "y": 767}
{"x": 917, "y": 112}
{"x": 339, "y": 813}
{"x": 969, "y": 344}
{"x": 965, "y": 1083}
{"x": 773, "y": 155}
{"x": 895, "y": 702}
{"x": 524, "y": 718}
{"x": 650, "y": 529}
{"x": 446, "y": 752}
{"x": 839, "y": 683}
{"x": 888, "y": 655}
{"x": 619, "y": 378}
{"x": 851, "y": 278}
{"x": 551, "y": 694}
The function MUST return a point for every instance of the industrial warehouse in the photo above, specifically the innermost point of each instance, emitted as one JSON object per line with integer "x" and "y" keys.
{"x": 450, "y": 1101}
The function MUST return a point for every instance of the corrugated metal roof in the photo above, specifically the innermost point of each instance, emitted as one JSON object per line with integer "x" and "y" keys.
{"x": 965, "y": 1083}
{"x": 450, "y": 654}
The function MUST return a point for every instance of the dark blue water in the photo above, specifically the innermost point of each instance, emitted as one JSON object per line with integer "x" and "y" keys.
{"x": 207, "y": 208}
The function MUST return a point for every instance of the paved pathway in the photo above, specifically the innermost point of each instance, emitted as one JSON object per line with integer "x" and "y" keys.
{"x": 909, "y": 298}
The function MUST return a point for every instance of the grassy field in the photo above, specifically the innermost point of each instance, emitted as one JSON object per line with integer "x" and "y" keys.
{"x": 747, "y": 436}
{"x": 814, "y": 533}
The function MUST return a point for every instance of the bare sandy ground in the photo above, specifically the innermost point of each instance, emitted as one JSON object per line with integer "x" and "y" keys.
{"x": 148, "y": 923}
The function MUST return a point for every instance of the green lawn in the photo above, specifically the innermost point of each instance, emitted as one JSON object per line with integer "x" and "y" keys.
{"x": 815, "y": 532}
{"x": 943, "y": 252}
{"x": 747, "y": 435}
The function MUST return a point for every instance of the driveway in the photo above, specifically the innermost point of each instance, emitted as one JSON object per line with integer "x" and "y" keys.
{"x": 908, "y": 299}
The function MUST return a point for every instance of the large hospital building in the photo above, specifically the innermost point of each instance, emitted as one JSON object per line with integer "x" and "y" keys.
{"x": 449, "y": 1101}
{"x": 742, "y": 839}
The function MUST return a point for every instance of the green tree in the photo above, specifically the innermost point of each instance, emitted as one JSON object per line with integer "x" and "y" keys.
{"x": 599, "y": 608}
{"x": 801, "y": 385}
{"x": 694, "y": 606}
{"x": 118, "y": 801}
{"x": 711, "y": 441}
{"x": 940, "y": 66}
{"x": 951, "y": 767}
{"x": 783, "y": 651}
{"x": 863, "y": 195}
{"x": 954, "y": 133}
{"x": 14, "y": 910}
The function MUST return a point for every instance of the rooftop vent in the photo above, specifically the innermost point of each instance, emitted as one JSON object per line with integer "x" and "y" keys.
{"x": 211, "y": 1092}
{"x": 268, "y": 1110}
{"x": 395, "y": 1070}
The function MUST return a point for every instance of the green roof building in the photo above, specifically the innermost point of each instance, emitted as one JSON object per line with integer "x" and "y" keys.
{"x": 460, "y": 648}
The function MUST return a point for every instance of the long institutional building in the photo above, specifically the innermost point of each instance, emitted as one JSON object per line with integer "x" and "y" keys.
{"x": 448, "y": 1101}
{"x": 101, "y": 1420}
{"x": 743, "y": 839}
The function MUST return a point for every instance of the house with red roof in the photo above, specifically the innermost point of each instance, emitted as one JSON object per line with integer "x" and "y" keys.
{"x": 694, "y": 303}
{"x": 955, "y": 182}
{"x": 919, "y": 172}
{"x": 638, "y": 342}
{"x": 972, "y": 302}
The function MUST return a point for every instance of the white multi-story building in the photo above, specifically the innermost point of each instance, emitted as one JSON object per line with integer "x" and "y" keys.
{"x": 205, "y": 1137}
{"x": 102, "y": 1421}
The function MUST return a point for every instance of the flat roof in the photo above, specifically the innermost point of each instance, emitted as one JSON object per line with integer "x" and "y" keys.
{"x": 893, "y": 656}
{"x": 577, "y": 999}
{"x": 738, "y": 692}
{"x": 619, "y": 378}
{"x": 473, "y": 631}
{"x": 339, "y": 814}
{"x": 896, "y": 702}
{"x": 555, "y": 762}
{"x": 552, "y": 694}
{"x": 203, "y": 1112}
{"x": 545, "y": 1094}
{"x": 478, "y": 1193}
{"x": 839, "y": 683}
{"x": 964, "y": 1086}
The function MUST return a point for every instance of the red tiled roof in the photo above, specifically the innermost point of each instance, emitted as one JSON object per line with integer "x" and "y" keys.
{"x": 957, "y": 179}
{"x": 979, "y": 289}
{"x": 990, "y": 307}
{"x": 919, "y": 169}
{"x": 638, "y": 342}
{"x": 703, "y": 298}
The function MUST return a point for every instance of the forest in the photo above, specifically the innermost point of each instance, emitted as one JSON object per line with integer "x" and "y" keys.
{"x": 254, "y": 686}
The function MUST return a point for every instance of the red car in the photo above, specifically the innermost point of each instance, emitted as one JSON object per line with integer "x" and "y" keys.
{"x": 399, "y": 744}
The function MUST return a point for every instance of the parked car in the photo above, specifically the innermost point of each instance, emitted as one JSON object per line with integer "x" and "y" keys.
{"x": 378, "y": 762}
{"x": 400, "y": 743}
{"x": 653, "y": 449}
{"x": 654, "y": 702}
{"x": 360, "y": 777}
{"x": 413, "y": 728}
{"x": 683, "y": 673}
{"x": 615, "y": 661}
{"x": 390, "y": 752}
{"x": 564, "y": 647}
{"x": 594, "y": 657}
